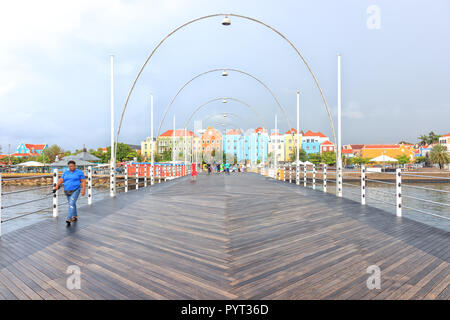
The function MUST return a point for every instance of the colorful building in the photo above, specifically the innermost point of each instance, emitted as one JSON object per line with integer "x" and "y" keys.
{"x": 445, "y": 141}
{"x": 177, "y": 141}
{"x": 311, "y": 141}
{"x": 327, "y": 146}
{"x": 146, "y": 148}
{"x": 391, "y": 150}
{"x": 277, "y": 146}
{"x": 29, "y": 150}
{"x": 211, "y": 142}
{"x": 290, "y": 140}
{"x": 233, "y": 145}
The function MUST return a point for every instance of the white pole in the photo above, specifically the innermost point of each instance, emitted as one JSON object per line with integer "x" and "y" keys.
{"x": 173, "y": 148}
{"x": 145, "y": 175}
{"x": 152, "y": 145}
{"x": 185, "y": 147}
{"x": 89, "y": 185}
{"x": 305, "y": 176}
{"x": 297, "y": 171}
{"x": 398, "y": 188}
{"x": 363, "y": 185}
{"x": 55, "y": 195}
{"x": 324, "y": 178}
{"x": 112, "y": 192}
{"x": 276, "y": 145}
{"x": 339, "y": 142}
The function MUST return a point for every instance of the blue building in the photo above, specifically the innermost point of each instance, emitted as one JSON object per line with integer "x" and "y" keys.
{"x": 311, "y": 141}
{"x": 233, "y": 144}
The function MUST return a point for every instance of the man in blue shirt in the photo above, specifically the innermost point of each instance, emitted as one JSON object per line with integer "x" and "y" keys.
{"x": 74, "y": 183}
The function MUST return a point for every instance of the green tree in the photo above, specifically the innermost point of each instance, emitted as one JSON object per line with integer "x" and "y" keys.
{"x": 420, "y": 159}
{"x": 53, "y": 151}
{"x": 329, "y": 158}
{"x": 360, "y": 160}
{"x": 315, "y": 158}
{"x": 439, "y": 155}
{"x": 402, "y": 159}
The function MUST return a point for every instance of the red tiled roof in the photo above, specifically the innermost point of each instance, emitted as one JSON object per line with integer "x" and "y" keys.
{"x": 381, "y": 146}
{"x": 327, "y": 143}
{"x": 35, "y": 146}
{"x": 347, "y": 151}
{"x": 309, "y": 133}
{"x": 290, "y": 131}
{"x": 357, "y": 146}
{"x": 259, "y": 130}
{"x": 3, "y": 156}
{"x": 447, "y": 135}
{"x": 178, "y": 133}
{"x": 276, "y": 134}
{"x": 24, "y": 155}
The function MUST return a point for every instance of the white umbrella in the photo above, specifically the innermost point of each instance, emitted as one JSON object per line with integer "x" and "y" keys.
{"x": 383, "y": 158}
{"x": 32, "y": 164}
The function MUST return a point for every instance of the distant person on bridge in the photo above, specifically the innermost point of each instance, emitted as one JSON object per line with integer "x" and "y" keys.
{"x": 74, "y": 183}
{"x": 193, "y": 172}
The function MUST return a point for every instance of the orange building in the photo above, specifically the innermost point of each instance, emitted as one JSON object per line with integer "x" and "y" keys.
{"x": 391, "y": 150}
{"x": 211, "y": 140}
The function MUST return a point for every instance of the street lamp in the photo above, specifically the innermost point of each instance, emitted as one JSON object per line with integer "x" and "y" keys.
{"x": 224, "y": 73}
{"x": 224, "y": 101}
{"x": 226, "y": 21}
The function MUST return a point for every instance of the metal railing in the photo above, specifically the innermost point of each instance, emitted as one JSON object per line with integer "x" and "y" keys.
{"x": 142, "y": 173}
{"x": 307, "y": 176}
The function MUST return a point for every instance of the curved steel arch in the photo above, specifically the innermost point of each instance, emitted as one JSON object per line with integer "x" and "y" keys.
{"x": 231, "y": 15}
{"x": 216, "y": 70}
{"x": 217, "y": 99}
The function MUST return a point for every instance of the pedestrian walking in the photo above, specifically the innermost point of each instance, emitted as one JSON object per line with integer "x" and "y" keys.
{"x": 74, "y": 184}
{"x": 193, "y": 172}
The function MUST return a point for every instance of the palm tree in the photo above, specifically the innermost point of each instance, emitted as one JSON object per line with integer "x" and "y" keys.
{"x": 439, "y": 155}
{"x": 423, "y": 139}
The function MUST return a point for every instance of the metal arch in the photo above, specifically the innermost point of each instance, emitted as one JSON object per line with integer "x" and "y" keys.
{"x": 231, "y": 15}
{"x": 217, "y": 99}
{"x": 216, "y": 70}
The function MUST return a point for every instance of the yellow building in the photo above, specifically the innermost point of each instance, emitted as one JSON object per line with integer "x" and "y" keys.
{"x": 290, "y": 138}
{"x": 391, "y": 150}
{"x": 146, "y": 147}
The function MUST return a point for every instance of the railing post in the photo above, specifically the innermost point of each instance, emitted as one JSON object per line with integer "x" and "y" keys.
{"x": 314, "y": 177}
{"x": 55, "y": 195}
{"x": 305, "y": 177}
{"x": 324, "y": 178}
{"x": 290, "y": 173}
{"x": 398, "y": 187}
{"x": 284, "y": 172}
{"x": 152, "y": 174}
{"x": 89, "y": 185}
{"x": 0, "y": 204}
{"x": 339, "y": 180}
{"x": 137, "y": 176}
{"x": 145, "y": 175}
{"x": 112, "y": 180}
{"x": 363, "y": 185}
{"x": 297, "y": 174}
{"x": 126, "y": 178}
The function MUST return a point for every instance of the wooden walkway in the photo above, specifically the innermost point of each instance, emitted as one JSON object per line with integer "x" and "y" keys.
{"x": 226, "y": 237}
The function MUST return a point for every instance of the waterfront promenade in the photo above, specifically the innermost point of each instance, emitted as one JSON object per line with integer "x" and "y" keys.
{"x": 241, "y": 236}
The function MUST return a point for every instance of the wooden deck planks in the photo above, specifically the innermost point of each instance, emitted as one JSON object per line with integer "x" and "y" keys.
{"x": 241, "y": 236}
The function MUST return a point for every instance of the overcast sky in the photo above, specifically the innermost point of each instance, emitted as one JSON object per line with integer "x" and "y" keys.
{"x": 54, "y": 67}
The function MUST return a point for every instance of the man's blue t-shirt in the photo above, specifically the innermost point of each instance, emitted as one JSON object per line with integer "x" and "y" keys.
{"x": 72, "y": 180}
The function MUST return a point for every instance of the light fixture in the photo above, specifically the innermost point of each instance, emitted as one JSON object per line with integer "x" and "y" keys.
{"x": 226, "y": 21}
{"x": 224, "y": 100}
{"x": 224, "y": 73}
{"x": 224, "y": 115}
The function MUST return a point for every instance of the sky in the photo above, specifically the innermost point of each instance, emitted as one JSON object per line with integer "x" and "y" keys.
{"x": 55, "y": 67}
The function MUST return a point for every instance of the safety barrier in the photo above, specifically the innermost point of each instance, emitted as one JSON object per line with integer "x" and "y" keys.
{"x": 142, "y": 173}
